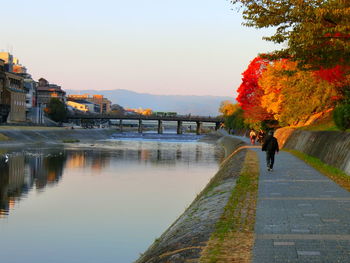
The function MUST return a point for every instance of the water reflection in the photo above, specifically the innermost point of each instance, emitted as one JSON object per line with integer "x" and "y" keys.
{"x": 101, "y": 203}
{"x": 39, "y": 168}
{"x": 21, "y": 172}
{"x": 155, "y": 153}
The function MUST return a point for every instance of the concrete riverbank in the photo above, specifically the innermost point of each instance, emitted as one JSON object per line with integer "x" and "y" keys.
{"x": 188, "y": 236}
{"x": 18, "y": 136}
{"x": 331, "y": 147}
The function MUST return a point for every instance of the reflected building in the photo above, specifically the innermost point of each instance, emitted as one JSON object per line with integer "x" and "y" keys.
{"x": 21, "y": 173}
{"x": 4, "y": 182}
{"x": 99, "y": 161}
{"x": 96, "y": 160}
{"x": 76, "y": 160}
{"x": 12, "y": 183}
{"x": 50, "y": 172}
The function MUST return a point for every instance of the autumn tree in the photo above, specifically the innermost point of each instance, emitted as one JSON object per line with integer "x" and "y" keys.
{"x": 272, "y": 82}
{"x": 227, "y": 108}
{"x": 317, "y": 32}
{"x": 250, "y": 93}
{"x": 233, "y": 115}
{"x": 293, "y": 95}
{"x": 147, "y": 112}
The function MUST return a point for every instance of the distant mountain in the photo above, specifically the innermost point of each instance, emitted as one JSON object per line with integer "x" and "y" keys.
{"x": 182, "y": 104}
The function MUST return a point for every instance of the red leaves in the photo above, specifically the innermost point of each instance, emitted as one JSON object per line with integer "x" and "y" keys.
{"x": 335, "y": 75}
{"x": 337, "y": 35}
{"x": 250, "y": 93}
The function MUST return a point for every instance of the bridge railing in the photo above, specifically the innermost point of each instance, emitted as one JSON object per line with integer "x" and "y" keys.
{"x": 147, "y": 117}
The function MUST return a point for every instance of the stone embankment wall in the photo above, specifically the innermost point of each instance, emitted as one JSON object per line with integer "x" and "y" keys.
{"x": 331, "y": 147}
{"x": 52, "y": 135}
{"x": 184, "y": 240}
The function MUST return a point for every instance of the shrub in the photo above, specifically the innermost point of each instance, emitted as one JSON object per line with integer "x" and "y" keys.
{"x": 341, "y": 116}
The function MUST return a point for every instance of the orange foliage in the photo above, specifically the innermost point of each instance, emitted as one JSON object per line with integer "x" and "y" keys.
{"x": 292, "y": 95}
{"x": 227, "y": 108}
{"x": 272, "y": 82}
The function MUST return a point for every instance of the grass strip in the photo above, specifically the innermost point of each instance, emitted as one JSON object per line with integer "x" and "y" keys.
{"x": 335, "y": 174}
{"x": 233, "y": 238}
{"x": 4, "y": 137}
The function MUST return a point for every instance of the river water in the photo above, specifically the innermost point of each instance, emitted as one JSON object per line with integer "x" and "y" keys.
{"x": 105, "y": 202}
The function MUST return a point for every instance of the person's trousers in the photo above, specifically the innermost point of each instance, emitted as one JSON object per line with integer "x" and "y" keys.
{"x": 270, "y": 159}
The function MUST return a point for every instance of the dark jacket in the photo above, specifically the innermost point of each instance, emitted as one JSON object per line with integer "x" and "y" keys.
{"x": 270, "y": 144}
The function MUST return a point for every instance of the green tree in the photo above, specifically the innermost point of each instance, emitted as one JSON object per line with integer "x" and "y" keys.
{"x": 236, "y": 120}
{"x": 317, "y": 32}
{"x": 57, "y": 110}
{"x": 341, "y": 114}
{"x": 117, "y": 109}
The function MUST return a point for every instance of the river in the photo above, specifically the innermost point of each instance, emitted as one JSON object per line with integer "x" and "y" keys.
{"x": 105, "y": 202}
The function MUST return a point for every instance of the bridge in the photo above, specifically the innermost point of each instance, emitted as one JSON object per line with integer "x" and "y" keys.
{"x": 199, "y": 120}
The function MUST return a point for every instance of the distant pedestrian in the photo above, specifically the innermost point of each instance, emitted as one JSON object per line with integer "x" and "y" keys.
{"x": 261, "y": 136}
{"x": 270, "y": 145}
{"x": 252, "y": 136}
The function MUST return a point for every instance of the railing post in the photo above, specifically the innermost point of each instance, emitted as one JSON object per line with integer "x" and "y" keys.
{"x": 121, "y": 125}
{"x": 199, "y": 127}
{"x": 140, "y": 126}
{"x": 179, "y": 127}
{"x": 160, "y": 126}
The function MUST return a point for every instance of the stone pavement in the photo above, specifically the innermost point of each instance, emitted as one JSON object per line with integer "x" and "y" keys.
{"x": 302, "y": 216}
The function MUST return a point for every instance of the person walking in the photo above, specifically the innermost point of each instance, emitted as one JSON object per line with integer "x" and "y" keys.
{"x": 252, "y": 136}
{"x": 261, "y": 136}
{"x": 270, "y": 145}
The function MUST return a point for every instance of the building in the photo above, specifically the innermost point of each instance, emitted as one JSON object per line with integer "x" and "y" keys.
{"x": 78, "y": 106}
{"x": 104, "y": 103}
{"x": 47, "y": 91}
{"x": 14, "y": 94}
{"x": 30, "y": 86}
{"x": 92, "y": 107}
{"x": 8, "y": 59}
{"x": 17, "y": 67}
{"x": 4, "y": 108}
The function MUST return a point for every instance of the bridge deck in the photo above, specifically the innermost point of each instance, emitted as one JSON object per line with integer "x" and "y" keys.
{"x": 187, "y": 118}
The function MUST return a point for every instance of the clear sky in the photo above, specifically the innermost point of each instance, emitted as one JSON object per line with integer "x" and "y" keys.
{"x": 196, "y": 47}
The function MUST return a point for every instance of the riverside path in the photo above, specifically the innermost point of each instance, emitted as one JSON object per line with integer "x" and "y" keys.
{"x": 301, "y": 216}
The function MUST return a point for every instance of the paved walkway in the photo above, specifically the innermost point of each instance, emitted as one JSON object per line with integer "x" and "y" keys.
{"x": 302, "y": 216}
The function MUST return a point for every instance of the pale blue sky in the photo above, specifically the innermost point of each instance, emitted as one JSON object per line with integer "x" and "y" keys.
{"x": 156, "y": 46}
